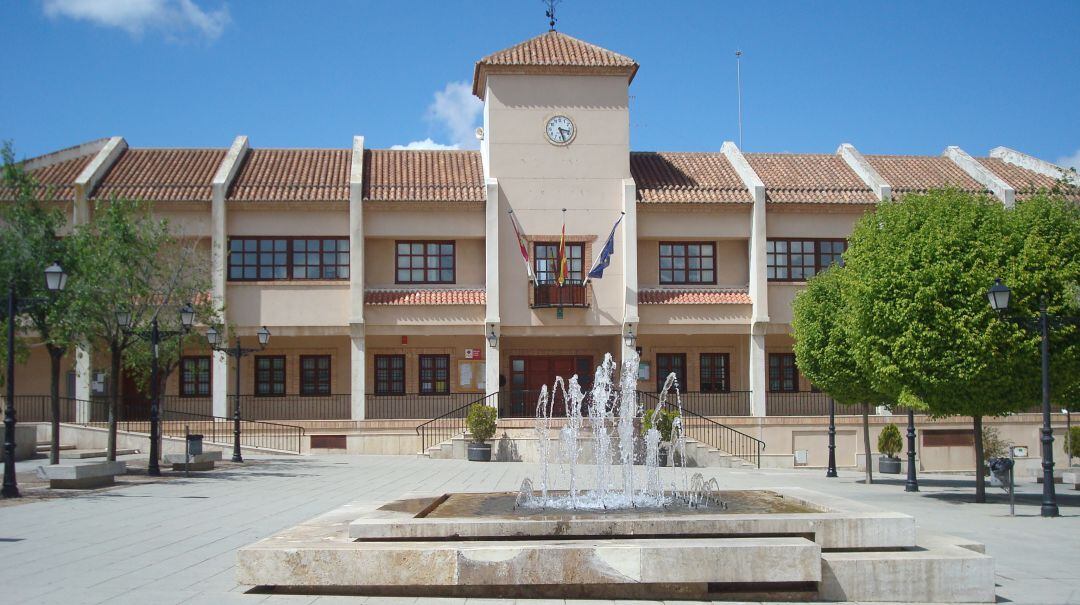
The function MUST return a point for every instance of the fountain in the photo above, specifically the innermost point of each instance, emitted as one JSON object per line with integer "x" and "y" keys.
{"x": 625, "y": 530}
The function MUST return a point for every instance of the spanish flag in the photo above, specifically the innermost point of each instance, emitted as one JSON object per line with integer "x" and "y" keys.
{"x": 523, "y": 244}
{"x": 561, "y": 275}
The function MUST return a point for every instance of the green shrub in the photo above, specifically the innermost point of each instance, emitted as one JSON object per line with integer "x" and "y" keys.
{"x": 889, "y": 441}
{"x": 481, "y": 422}
{"x": 993, "y": 445}
{"x": 1072, "y": 442}
{"x": 664, "y": 422}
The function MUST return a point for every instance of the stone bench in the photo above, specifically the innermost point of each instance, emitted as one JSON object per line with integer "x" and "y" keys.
{"x": 81, "y": 476}
{"x": 195, "y": 462}
{"x": 1071, "y": 479}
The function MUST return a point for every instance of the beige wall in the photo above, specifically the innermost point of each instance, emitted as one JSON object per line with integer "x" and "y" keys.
{"x": 789, "y": 223}
{"x": 693, "y": 319}
{"x": 380, "y": 263}
{"x": 693, "y": 221}
{"x": 457, "y": 221}
{"x": 190, "y": 219}
{"x": 288, "y": 303}
{"x": 296, "y": 222}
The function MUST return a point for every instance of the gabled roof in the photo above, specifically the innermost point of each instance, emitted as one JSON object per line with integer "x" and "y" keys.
{"x": 1026, "y": 182}
{"x": 278, "y": 175}
{"x": 664, "y": 176}
{"x": 393, "y": 175}
{"x": 809, "y": 178}
{"x": 553, "y": 52}
{"x": 920, "y": 173}
{"x": 161, "y": 175}
{"x": 56, "y": 181}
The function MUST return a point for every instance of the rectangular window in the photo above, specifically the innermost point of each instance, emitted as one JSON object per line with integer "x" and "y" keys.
{"x": 425, "y": 263}
{"x": 434, "y": 374}
{"x": 270, "y": 375}
{"x": 715, "y": 370}
{"x": 194, "y": 376}
{"x": 666, "y": 363}
{"x": 687, "y": 263}
{"x": 283, "y": 258}
{"x": 783, "y": 373}
{"x": 389, "y": 374}
{"x": 314, "y": 374}
{"x": 546, "y": 262}
{"x": 801, "y": 259}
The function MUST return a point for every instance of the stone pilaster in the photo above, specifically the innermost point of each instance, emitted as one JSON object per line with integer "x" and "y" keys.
{"x": 491, "y": 283}
{"x": 356, "y": 279}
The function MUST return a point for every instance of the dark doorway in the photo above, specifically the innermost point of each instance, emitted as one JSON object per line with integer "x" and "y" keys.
{"x": 528, "y": 374}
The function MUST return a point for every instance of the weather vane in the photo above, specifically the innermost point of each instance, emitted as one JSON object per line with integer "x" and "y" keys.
{"x": 551, "y": 4}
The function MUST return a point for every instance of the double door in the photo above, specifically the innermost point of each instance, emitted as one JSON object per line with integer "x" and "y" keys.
{"x": 528, "y": 374}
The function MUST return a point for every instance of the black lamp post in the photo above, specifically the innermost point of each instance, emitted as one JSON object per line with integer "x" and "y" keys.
{"x": 237, "y": 352}
{"x": 831, "y": 471}
{"x": 55, "y": 280}
{"x": 999, "y": 295}
{"x": 154, "y": 335}
{"x": 912, "y": 484}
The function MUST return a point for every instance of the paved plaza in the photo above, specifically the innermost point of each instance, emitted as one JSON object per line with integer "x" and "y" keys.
{"x": 175, "y": 541}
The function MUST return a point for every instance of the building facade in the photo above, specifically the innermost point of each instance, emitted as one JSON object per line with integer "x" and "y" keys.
{"x": 394, "y": 284}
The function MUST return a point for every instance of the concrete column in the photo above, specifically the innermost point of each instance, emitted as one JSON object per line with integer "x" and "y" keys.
{"x": 759, "y": 283}
{"x": 1002, "y": 190}
{"x": 1034, "y": 164}
{"x": 356, "y": 278}
{"x": 863, "y": 168}
{"x": 630, "y": 270}
{"x": 491, "y": 284}
{"x": 219, "y": 241}
{"x": 85, "y": 183}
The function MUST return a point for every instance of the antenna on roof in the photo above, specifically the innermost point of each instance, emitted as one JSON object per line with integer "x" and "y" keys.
{"x": 738, "y": 89}
{"x": 550, "y": 13}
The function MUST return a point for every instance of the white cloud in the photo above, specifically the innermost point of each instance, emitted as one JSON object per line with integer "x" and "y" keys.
{"x": 174, "y": 17}
{"x": 425, "y": 144}
{"x": 1070, "y": 161}
{"x": 456, "y": 113}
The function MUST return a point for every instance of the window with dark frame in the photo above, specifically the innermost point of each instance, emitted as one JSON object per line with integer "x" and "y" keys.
{"x": 715, "y": 373}
{"x": 434, "y": 374}
{"x": 546, "y": 262}
{"x": 269, "y": 375}
{"x": 314, "y": 374}
{"x": 687, "y": 263}
{"x": 783, "y": 373}
{"x": 801, "y": 259}
{"x": 195, "y": 376}
{"x": 424, "y": 262}
{"x": 285, "y": 258}
{"x": 389, "y": 374}
{"x": 666, "y": 363}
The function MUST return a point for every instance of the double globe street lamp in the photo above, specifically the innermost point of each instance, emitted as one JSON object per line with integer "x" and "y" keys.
{"x": 154, "y": 335}
{"x": 236, "y": 352}
{"x": 55, "y": 280}
{"x": 999, "y": 295}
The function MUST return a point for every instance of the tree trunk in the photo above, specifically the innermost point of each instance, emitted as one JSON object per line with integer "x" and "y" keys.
{"x": 980, "y": 480}
{"x": 55, "y": 353}
{"x": 114, "y": 401}
{"x": 866, "y": 442}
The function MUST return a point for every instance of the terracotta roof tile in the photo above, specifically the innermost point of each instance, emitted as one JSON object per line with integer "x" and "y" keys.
{"x": 920, "y": 173}
{"x": 552, "y": 52}
{"x": 57, "y": 181}
{"x": 439, "y": 176}
{"x": 809, "y": 178}
{"x": 685, "y": 296}
{"x": 428, "y": 296}
{"x": 686, "y": 177}
{"x": 1025, "y": 182}
{"x": 278, "y": 175}
{"x": 161, "y": 175}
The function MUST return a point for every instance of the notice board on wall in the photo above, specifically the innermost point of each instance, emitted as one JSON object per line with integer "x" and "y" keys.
{"x": 470, "y": 375}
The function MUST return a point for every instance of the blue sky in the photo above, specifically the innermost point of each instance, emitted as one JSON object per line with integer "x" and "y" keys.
{"x": 908, "y": 77}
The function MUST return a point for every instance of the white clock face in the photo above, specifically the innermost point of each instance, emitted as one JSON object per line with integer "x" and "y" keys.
{"x": 561, "y": 130}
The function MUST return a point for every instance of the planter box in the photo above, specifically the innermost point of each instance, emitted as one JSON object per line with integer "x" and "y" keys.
{"x": 480, "y": 452}
{"x": 888, "y": 466}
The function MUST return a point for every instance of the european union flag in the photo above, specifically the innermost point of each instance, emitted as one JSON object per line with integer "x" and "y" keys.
{"x": 604, "y": 259}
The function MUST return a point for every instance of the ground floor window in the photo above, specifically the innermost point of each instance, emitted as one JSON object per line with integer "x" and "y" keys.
{"x": 314, "y": 374}
{"x": 715, "y": 373}
{"x": 783, "y": 374}
{"x": 195, "y": 376}
{"x": 666, "y": 363}
{"x": 434, "y": 374}
{"x": 389, "y": 374}
{"x": 270, "y": 375}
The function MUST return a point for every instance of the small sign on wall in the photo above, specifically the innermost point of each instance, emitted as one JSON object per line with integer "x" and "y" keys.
{"x": 474, "y": 353}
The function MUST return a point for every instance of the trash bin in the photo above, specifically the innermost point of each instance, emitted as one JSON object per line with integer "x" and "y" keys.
{"x": 999, "y": 471}
{"x": 194, "y": 444}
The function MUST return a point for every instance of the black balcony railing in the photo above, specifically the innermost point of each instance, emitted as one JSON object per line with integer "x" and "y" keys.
{"x": 572, "y": 293}
{"x": 449, "y": 424}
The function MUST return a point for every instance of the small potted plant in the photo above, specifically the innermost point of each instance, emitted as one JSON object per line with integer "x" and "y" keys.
{"x": 481, "y": 426}
{"x": 665, "y": 423}
{"x": 889, "y": 444}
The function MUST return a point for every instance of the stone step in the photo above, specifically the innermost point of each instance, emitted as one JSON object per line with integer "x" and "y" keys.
{"x": 77, "y": 454}
{"x": 45, "y": 447}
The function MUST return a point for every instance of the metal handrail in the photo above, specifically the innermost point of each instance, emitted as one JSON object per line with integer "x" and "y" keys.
{"x": 718, "y": 435}
{"x": 447, "y": 425}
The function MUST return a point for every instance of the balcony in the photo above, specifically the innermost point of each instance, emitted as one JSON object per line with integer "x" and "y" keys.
{"x": 572, "y": 293}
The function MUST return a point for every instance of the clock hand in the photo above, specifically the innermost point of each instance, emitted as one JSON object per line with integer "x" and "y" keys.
{"x": 565, "y": 133}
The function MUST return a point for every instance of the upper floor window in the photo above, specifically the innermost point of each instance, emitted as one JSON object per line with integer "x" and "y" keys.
{"x": 800, "y": 259}
{"x": 281, "y": 258}
{"x": 546, "y": 259}
{"x": 314, "y": 374}
{"x": 195, "y": 376}
{"x": 687, "y": 263}
{"x": 425, "y": 263}
{"x": 783, "y": 373}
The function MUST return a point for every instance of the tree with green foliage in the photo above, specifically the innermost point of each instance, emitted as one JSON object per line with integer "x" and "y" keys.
{"x": 31, "y": 236}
